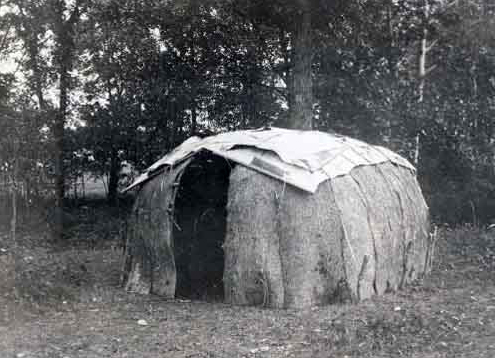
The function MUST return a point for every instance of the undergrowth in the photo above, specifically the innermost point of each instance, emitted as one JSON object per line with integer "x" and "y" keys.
{"x": 436, "y": 316}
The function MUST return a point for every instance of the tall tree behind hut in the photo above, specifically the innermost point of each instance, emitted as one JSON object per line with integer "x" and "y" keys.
{"x": 64, "y": 19}
{"x": 48, "y": 30}
{"x": 298, "y": 22}
{"x": 301, "y": 85}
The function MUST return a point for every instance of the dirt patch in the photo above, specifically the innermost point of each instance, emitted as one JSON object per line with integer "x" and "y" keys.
{"x": 449, "y": 314}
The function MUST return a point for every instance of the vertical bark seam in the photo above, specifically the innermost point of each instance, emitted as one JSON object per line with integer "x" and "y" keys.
{"x": 344, "y": 233}
{"x": 373, "y": 238}
{"x": 364, "y": 266}
{"x": 402, "y": 216}
{"x": 278, "y": 230}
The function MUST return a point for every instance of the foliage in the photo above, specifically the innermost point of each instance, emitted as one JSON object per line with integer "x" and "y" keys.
{"x": 142, "y": 76}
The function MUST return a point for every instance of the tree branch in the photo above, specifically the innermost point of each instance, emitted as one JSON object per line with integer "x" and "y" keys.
{"x": 428, "y": 48}
{"x": 3, "y": 43}
{"x": 429, "y": 70}
{"x": 452, "y": 3}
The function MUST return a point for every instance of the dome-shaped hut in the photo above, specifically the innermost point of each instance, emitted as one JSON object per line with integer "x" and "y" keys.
{"x": 276, "y": 217}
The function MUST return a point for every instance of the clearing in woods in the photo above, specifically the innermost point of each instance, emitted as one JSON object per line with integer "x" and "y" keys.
{"x": 68, "y": 303}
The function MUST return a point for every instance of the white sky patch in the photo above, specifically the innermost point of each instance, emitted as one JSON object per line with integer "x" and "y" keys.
{"x": 9, "y": 64}
{"x": 9, "y": 59}
{"x": 283, "y": 104}
{"x": 280, "y": 83}
{"x": 155, "y": 33}
{"x": 5, "y": 9}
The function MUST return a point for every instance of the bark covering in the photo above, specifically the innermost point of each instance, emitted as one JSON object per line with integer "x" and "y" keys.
{"x": 150, "y": 264}
{"x": 360, "y": 234}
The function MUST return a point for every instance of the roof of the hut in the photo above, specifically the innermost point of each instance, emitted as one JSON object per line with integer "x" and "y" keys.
{"x": 301, "y": 158}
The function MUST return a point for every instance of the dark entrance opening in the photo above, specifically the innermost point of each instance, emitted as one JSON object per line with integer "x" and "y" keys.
{"x": 200, "y": 225}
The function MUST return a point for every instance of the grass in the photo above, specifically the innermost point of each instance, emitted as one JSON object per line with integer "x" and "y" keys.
{"x": 67, "y": 302}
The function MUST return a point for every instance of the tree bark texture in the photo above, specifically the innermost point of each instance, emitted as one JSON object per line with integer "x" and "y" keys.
{"x": 422, "y": 71}
{"x": 301, "y": 109}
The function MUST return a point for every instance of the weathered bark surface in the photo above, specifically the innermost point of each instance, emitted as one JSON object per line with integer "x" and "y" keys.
{"x": 301, "y": 84}
{"x": 360, "y": 234}
{"x": 384, "y": 216}
{"x": 357, "y": 243}
{"x": 253, "y": 272}
{"x": 150, "y": 264}
{"x": 415, "y": 222}
{"x": 310, "y": 237}
{"x": 283, "y": 245}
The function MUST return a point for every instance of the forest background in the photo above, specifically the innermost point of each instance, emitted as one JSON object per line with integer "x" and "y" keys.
{"x": 89, "y": 87}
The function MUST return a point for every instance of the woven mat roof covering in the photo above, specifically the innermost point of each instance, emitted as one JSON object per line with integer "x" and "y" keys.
{"x": 303, "y": 159}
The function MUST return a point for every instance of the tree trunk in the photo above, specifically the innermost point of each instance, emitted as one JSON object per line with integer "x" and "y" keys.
{"x": 13, "y": 221}
{"x": 195, "y": 73}
{"x": 301, "y": 111}
{"x": 38, "y": 77}
{"x": 64, "y": 33}
{"x": 113, "y": 178}
{"x": 422, "y": 72}
{"x": 58, "y": 133}
{"x": 30, "y": 35}
{"x": 422, "y": 65}
{"x": 194, "y": 115}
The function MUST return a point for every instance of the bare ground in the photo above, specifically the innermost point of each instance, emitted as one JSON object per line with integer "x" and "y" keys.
{"x": 67, "y": 303}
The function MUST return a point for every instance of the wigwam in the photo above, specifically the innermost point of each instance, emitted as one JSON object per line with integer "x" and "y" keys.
{"x": 277, "y": 217}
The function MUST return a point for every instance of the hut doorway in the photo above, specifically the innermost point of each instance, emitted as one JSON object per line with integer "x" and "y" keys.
{"x": 200, "y": 226}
